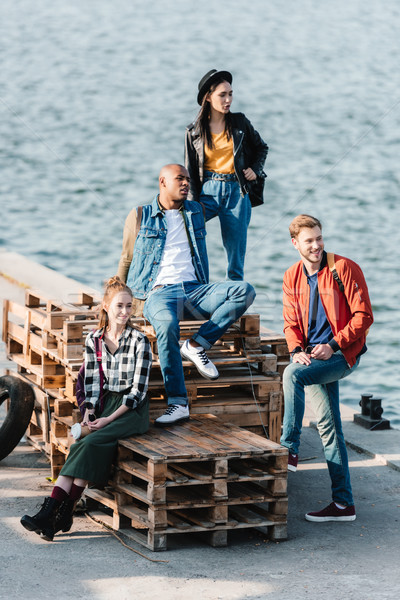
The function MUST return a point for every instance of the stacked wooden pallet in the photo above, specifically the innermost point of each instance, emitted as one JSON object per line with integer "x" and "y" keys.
{"x": 275, "y": 343}
{"x": 199, "y": 477}
{"x": 248, "y": 390}
{"x": 45, "y": 338}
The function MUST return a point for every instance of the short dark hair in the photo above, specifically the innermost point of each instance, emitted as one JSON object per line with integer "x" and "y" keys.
{"x": 302, "y": 221}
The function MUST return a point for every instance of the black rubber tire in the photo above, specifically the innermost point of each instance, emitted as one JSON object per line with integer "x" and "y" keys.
{"x": 22, "y": 400}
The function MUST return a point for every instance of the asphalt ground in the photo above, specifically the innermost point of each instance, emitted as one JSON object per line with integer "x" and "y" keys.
{"x": 353, "y": 560}
{"x": 356, "y": 560}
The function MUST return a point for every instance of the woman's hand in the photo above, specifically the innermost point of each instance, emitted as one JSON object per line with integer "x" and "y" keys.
{"x": 98, "y": 423}
{"x": 249, "y": 174}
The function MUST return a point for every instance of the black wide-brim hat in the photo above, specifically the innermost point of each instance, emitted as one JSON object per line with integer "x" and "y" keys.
{"x": 209, "y": 78}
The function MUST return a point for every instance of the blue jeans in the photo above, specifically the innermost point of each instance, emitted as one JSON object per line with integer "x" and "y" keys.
{"x": 224, "y": 302}
{"x": 322, "y": 381}
{"x": 222, "y": 196}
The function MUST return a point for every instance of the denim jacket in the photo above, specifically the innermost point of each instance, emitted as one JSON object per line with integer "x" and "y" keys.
{"x": 150, "y": 242}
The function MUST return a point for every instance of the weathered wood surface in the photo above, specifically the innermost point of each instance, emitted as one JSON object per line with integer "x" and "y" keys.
{"x": 207, "y": 475}
{"x": 45, "y": 339}
{"x": 199, "y": 477}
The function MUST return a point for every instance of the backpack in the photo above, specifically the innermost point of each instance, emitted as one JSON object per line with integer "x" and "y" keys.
{"x": 332, "y": 266}
{"x": 80, "y": 384}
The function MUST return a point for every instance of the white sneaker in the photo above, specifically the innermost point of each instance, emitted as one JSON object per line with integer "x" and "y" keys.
{"x": 175, "y": 413}
{"x": 200, "y": 360}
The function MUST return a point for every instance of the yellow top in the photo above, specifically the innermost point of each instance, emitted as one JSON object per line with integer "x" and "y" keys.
{"x": 220, "y": 158}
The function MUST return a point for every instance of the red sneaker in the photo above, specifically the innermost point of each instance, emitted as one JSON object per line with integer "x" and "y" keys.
{"x": 293, "y": 459}
{"x": 333, "y": 513}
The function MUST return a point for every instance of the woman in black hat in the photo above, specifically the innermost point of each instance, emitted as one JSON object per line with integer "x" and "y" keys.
{"x": 225, "y": 157}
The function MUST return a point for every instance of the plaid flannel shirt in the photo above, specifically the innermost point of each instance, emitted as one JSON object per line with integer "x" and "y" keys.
{"x": 125, "y": 371}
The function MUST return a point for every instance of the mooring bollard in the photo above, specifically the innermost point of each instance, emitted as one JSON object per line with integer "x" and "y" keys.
{"x": 371, "y": 413}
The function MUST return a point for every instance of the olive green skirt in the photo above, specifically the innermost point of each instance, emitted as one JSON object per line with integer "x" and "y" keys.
{"x": 91, "y": 457}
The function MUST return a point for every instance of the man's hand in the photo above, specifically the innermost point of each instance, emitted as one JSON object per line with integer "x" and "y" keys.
{"x": 249, "y": 174}
{"x": 302, "y": 357}
{"x": 322, "y": 352}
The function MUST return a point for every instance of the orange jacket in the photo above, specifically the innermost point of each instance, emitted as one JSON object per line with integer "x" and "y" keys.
{"x": 349, "y": 313}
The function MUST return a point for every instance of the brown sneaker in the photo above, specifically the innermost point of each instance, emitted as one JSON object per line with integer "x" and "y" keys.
{"x": 333, "y": 513}
{"x": 293, "y": 459}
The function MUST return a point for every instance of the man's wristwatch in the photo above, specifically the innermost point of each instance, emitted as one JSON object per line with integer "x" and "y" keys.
{"x": 296, "y": 350}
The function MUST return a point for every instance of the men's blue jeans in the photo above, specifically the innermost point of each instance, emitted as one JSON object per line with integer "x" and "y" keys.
{"x": 222, "y": 303}
{"x": 322, "y": 381}
{"x": 221, "y": 196}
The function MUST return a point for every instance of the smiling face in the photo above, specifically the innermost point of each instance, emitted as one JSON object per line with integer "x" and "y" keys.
{"x": 221, "y": 98}
{"x": 119, "y": 309}
{"x": 310, "y": 244}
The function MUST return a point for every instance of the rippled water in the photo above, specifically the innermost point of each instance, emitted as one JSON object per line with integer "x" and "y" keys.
{"x": 94, "y": 98}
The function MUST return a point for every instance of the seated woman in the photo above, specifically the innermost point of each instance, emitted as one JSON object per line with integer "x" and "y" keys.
{"x": 121, "y": 411}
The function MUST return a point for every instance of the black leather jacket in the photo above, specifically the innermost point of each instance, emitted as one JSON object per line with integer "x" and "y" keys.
{"x": 249, "y": 150}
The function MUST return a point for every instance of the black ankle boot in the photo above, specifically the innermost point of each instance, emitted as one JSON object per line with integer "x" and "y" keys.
{"x": 64, "y": 518}
{"x": 43, "y": 522}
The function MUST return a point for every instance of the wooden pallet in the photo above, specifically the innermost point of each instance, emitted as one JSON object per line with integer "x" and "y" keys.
{"x": 242, "y": 338}
{"x": 275, "y": 343}
{"x": 45, "y": 338}
{"x": 234, "y": 398}
{"x": 199, "y": 477}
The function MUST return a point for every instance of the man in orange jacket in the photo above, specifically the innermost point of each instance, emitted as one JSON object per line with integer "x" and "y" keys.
{"x": 327, "y": 312}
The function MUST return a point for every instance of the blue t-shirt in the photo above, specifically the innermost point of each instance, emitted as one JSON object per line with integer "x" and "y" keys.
{"x": 319, "y": 330}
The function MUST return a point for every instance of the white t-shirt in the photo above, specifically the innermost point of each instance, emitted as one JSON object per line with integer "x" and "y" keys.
{"x": 176, "y": 261}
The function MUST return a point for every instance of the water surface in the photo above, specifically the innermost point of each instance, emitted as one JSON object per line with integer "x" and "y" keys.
{"x": 94, "y": 99}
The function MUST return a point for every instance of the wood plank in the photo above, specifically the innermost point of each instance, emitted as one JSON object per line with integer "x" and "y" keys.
{"x": 134, "y": 468}
{"x": 227, "y": 378}
{"x": 249, "y": 442}
{"x": 155, "y": 439}
{"x": 134, "y": 444}
{"x": 176, "y": 476}
{"x": 245, "y": 515}
{"x": 137, "y": 516}
{"x": 246, "y": 493}
{"x": 193, "y": 516}
{"x": 221, "y": 361}
{"x": 216, "y": 430}
{"x": 176, "y": 522}
{"x": 215, "y": 447}
{"x": 132, "y": 490}
{"x": 194, "y": 471}
{"x": 187, "y": 450}
{"x": 258, "y": 441}
{"x": 6, "y": 308}
{"x": 177, "y": 497}
{"x": 101, "y": 496}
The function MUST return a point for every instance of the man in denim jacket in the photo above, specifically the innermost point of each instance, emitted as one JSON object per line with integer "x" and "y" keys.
{"x": 167, "y": 266}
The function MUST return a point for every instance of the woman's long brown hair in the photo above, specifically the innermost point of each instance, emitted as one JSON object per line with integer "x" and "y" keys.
{"x": 202, "y": 122}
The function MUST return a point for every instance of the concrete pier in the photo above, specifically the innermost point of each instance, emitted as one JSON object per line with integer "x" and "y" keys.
{"x": 357, "y": 560}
